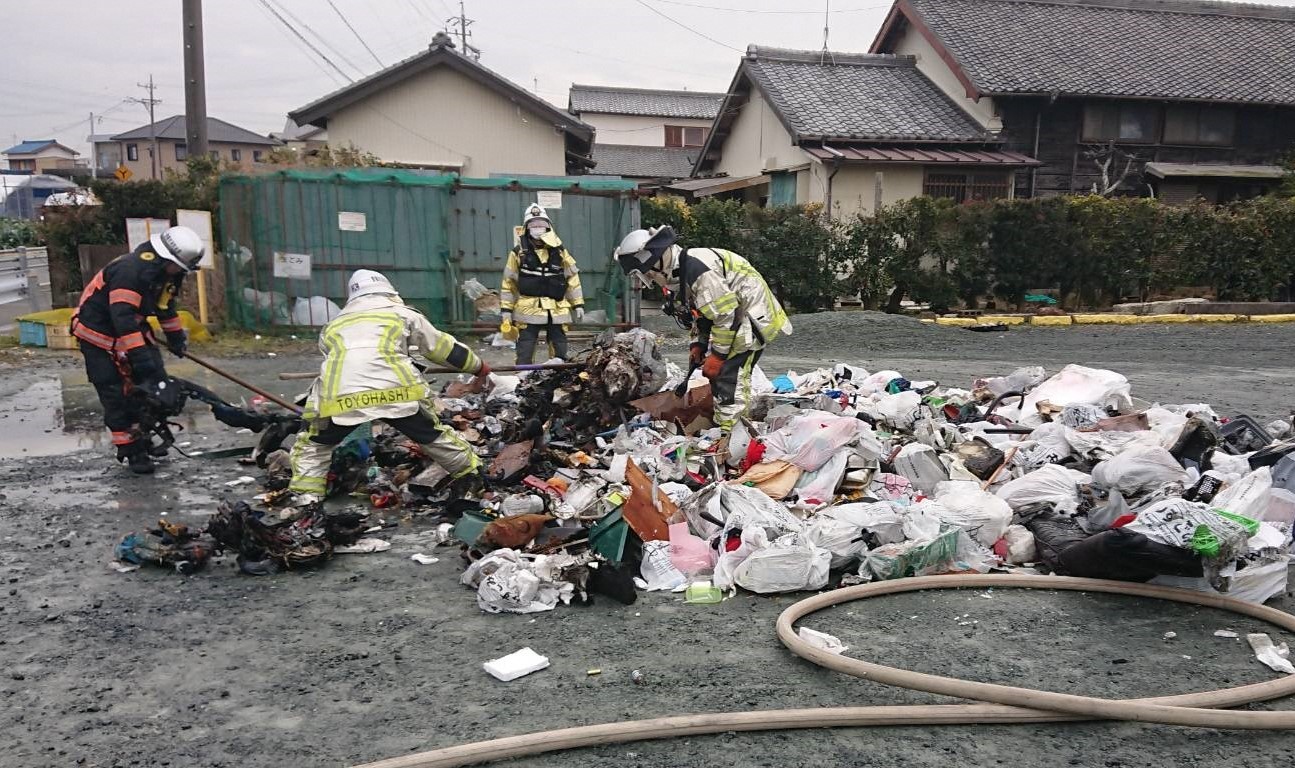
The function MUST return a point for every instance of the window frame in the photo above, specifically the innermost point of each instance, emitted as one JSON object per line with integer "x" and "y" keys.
{"x": 132, "y": 152}
{"x": 1197, "y": 112}
{"x": 972, "y": 182}
{"x": 236, "y": 154}
{"x": 257, "y": 155}
{"x": 1116, "y": 111}
{"x": 676, "y": 136}
{"x": 181, "y": 151}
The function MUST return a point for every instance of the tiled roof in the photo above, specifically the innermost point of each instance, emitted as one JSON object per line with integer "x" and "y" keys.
{"x": 174, "y": 128}
{"x": 643, "y": 162}
{"x": 642, "y": 101}
{"x": 849, "y": 96}
{"x": 1121, "y": 48}
{"x": 31, "y": 147}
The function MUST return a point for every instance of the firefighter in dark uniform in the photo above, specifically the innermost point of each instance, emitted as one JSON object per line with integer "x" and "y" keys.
{"x": 121, "y": 354}
{"x": 541, "y": 288}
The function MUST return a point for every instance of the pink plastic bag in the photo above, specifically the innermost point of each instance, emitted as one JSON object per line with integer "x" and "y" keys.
{"x": 688, "y": 553}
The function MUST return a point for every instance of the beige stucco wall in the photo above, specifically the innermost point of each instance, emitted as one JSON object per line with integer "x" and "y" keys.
{"x": 929, "y": 63}
{"x": 854, "y": 187}
{"x": 637, "y": 130}
{"x": 441, "y": 116}
{"x": 755, "y": 136}
{"x": 143, "y": 169}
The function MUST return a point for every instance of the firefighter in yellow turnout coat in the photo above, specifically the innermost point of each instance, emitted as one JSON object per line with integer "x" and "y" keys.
{"x": 541, "y": 288}
{"x": 368, "y": 375}
{"x": 733, "y": 312}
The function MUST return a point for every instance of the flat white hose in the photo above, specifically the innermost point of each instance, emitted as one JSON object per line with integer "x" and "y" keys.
{"x": 1003, "y": 704}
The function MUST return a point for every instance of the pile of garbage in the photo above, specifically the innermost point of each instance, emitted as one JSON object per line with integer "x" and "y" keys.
{"x": 602, "y": 479}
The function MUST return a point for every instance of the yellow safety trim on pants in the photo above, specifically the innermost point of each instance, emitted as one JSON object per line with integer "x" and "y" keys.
{"x": 474, "y": 461}
{"x": 309, "y": 485}
{"x": 302, "y": 483}
{"x": 371, "y": 398}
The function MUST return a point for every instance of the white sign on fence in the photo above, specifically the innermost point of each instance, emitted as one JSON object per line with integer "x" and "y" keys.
{"x": 200, "y": 222}
{"x": 352, "y": 221}
{"x": 549, "y": 199}
{"x": 140, "y": 230}
{"x": 294, "y": 266}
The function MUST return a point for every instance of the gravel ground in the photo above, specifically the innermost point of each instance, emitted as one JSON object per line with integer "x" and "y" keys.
{"x": 374, "y": 656}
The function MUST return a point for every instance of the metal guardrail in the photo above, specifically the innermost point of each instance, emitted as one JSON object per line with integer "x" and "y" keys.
{"x": 24, "y": 283}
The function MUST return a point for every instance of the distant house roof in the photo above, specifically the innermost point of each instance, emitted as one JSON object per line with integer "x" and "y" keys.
{"x": 293, "y": 132}
{"x": 175, "y": 128}
{"x": 1164, "y": 49}
{"x": 440, "y": 53}
{"x": 33, "y": 146}
{"x": 644, "y": 162}
{"x": 844, "y": 97}
{"x": 648, "y": 102}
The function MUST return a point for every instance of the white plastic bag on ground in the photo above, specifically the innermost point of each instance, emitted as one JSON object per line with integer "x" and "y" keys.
{"x": 473, "y": 289}
{"x": 877, "y": 382}
{"x": 315, "y": 311}
{"x": 982, "y": 515}
{"x": 1018, "y": 380}
{"x": 760, "y": 383}
{"x": 811, "y": 439}
{"x": 819, "y": 487}
{"x": 843, "y": 539}
{"x": 1047, "y": 444}
{"x": 900, "y": 411}
{"x": 1075, "y": 384}
{"x": 1050, "y": 483}
{"x": 1021, "y": 548}
{"x": 789, "y": 564}
{"x": 1258, "y": 582}
{"x": 1166, "y": 424}
{"x": 1139, "y": 469}
{"x": 880, "y": 518}
{"x": 822, "y": 640}
{"x": 657, "y": 570}
{"x": 1249, "y": 497}
{"x": 736, "y": 506}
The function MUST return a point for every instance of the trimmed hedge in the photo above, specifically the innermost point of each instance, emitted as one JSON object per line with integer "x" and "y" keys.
{"x": 1093, "y": 251}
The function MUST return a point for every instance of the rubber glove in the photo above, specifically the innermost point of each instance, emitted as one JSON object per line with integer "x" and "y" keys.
{"x": 711, "y": 368}
{"x": 507, "y": 329}
{"x": 696, "y": 354}
{"x": 580, "y": 314}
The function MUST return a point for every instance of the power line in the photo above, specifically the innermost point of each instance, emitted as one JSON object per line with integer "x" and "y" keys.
{"x": 303, "y": 39}
{"x": 318, "y": 36}
{"x": 678, "y": 23}
{"x": 347, "y": 22}
{"x": 761, "y": 11}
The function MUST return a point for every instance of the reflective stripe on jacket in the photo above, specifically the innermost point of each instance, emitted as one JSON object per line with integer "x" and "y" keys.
{"x": 533, "y": 309}
{"x": 368, "y": 372}
{"x": 735, "y": 307}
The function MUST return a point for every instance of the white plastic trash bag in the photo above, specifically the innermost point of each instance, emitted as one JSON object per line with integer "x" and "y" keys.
{"x": 900, "y": 411}
{"x": 843, "y": 539}
{"x": 1051, "y": 483}
{"x": 315, "y": 311}
{"x": 922, "y": 466}
{"x": 812, "y": 437}
{"x": 1139, "y": 469}
{"x": 879, "y": 518}
{"x": 1249, "y": 497}
{"x": 789, "y": 564}
{"x": 1074, "y": 385}
{"x": 982, "y": 515}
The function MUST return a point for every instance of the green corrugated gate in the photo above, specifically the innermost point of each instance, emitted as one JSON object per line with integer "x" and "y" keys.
{"x": 427, "y": 233}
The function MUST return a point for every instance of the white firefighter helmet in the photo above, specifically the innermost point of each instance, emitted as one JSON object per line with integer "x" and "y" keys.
{"x": 648, "y": 250}
{"x": 180, "y": 246}
{"x": 536, "y": 211}
{"x": 364, "y": 282}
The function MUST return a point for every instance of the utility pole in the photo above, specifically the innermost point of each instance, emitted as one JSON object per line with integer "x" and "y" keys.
{"x": 463, "y": 22}
{"x": 149, "y": 104}
{"x": 195, "y": 81}
{"x": 94, "y": 151}
{"x": 826, "y": 55}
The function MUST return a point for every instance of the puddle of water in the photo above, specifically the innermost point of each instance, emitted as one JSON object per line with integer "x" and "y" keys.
{"x": 32, "y": 424}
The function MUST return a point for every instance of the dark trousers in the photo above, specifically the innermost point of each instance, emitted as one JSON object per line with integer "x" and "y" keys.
{"x": 120, "y": 411}
{"x": 528, "y": 336}
{"x": 420, "y": 428}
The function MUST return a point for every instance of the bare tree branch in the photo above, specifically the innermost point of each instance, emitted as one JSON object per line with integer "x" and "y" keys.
{"x": 1108, "y": 157}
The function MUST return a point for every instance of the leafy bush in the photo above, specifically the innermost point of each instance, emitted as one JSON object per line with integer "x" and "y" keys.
{"x": 16, "y": 232}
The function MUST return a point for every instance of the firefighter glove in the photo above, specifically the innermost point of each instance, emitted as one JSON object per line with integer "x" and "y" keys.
{"x": 177, "y": 342}
{"x": 696, "y": 354}
{"x": 712, "y": 366}
{"x": 507, "y": 329}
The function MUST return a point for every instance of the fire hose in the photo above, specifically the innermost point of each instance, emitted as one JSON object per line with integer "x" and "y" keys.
{"x": 997, "y": 704}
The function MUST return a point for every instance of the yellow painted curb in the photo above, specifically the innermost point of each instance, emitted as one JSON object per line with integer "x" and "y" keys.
{"x": 928, "y": 320}
{"x": 1000, "y": 320}
{"x": 1165, "y": 318}
{"x": 960, "y": 322}
{"x": 1106, "y": 319}
{"x": 1287, "y": 318}
{"x": 1051, "y": 320}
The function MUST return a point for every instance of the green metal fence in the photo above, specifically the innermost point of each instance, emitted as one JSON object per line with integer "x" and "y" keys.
{"x": 427, "y": 233}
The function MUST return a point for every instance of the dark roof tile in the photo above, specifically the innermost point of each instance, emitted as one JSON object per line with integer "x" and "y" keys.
{"x": 642, "y": 101}
{"x": 847, "y": 96}
{"x": 1218, "y": 51}
{"x": 643, "y": 162}
{"x": 174, "y": 128}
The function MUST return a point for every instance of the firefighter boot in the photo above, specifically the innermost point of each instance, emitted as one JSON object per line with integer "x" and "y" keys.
{"x": 136, "y": 457}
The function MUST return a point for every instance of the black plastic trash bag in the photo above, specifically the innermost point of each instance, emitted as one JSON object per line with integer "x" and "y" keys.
{"x": 1122, "y": 555}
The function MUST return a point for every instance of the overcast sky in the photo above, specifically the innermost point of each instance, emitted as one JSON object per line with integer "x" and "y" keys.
{"x": 65, "y": 60}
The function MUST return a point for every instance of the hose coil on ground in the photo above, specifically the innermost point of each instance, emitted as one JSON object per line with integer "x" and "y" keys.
{"x": 1001, "y": 704}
